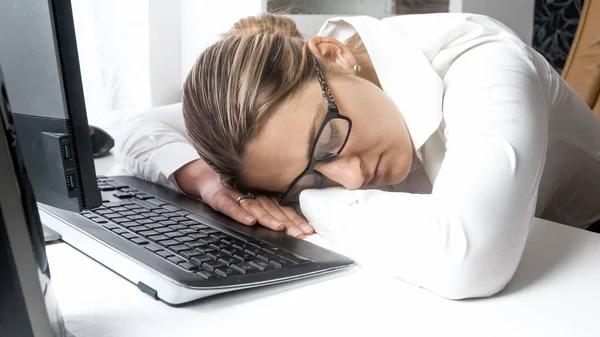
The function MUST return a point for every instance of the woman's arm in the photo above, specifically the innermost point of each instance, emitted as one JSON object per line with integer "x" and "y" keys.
{"x": 466, "y": 238}
{"x": 154, "y": 146}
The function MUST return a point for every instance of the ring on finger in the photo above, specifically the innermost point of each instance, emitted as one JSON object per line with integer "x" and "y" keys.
{"x": 244, "y": 197}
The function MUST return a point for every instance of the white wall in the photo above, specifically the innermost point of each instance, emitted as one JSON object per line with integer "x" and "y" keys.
{"x": 202, "y": 21}
{"x": 516, "y": 14}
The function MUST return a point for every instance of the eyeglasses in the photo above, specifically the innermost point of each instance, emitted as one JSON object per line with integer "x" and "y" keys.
{"x": 329, "y": 143}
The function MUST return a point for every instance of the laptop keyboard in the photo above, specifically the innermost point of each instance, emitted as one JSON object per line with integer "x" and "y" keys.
{"x": 181, "y": 238}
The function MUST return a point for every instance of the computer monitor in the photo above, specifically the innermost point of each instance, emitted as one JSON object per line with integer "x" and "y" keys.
{"x": 38, "y": 53}
{"x": 28, "y": 307}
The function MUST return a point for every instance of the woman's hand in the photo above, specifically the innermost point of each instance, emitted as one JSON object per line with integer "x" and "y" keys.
{"x": 197, "y": 179}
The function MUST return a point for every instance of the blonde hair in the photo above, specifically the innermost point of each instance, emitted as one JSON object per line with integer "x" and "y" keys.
{"x": 235, "y": 85}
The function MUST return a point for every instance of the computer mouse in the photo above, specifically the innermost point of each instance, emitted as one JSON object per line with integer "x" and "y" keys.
{"x": 102, "y": 142}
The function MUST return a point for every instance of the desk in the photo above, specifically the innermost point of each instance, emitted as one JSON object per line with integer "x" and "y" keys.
{"x": 555, "y": 292}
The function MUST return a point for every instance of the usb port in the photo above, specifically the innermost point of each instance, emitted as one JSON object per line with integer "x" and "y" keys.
{"x": 71, "y": 181}
{"x": 66, "y": 151}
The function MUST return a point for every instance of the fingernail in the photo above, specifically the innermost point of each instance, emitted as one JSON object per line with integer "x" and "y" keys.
{"x": 249, "y": 219}
{"x": 277, "y": 225}
{"x": 306, "y": 228}
{"x": 294, "y": 231}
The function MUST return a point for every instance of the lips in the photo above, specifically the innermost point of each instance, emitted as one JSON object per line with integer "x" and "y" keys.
{"x": 377, "y": 174}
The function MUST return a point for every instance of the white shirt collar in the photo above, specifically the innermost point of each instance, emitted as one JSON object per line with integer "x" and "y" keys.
{"x": 403, "y": 69}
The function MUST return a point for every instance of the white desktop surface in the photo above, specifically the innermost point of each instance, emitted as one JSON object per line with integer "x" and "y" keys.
{"x": 555, "y": 292}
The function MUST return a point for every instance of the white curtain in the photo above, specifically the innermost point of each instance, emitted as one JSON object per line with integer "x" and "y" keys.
{"x": 135, "y": 54}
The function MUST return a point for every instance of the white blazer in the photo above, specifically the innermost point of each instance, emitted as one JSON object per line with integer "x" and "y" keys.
{"x": 500, "y": 137}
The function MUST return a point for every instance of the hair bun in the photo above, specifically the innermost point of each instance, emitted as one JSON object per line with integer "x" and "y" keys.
{"x": 265, "y": 24}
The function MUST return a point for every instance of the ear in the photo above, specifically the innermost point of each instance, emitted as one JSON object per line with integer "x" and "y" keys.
{"x": 333, "y": 51}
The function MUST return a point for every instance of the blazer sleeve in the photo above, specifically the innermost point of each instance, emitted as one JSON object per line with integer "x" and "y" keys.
{"x": 466, "y": 238}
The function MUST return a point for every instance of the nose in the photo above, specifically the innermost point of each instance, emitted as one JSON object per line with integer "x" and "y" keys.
{"x": 344, "y": 170}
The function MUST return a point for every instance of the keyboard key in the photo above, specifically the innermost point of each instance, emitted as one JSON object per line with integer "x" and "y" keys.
{"x": 151, "y": 215}
{"x": 119, "y": 230}
{"x": 199, "y": 227}
{"x": 98, "y": 220}
{"x": 157, "y": 202}
{"x": 220, "y": 245}
{"x": 243, "y": 257}
{"x": 188, "y": 254}
{"x": 217, "y": 255}
{"x": 139, "y": 241}
{"x": 176, "y": 259}
{"x": 157, "y": 218}
{"x": 183, "y": 213}
{"x": 142, "y": 211}
{"x": 253, "y": 251}
{"x": 88, "y": 214}
{"x": 111, "y": 215}
{"x": 168, "y": 223}
{"x": 153, "y": 248}
{"x": 224, "y": 272}
{"x": 148, "y": 233}
{"x": 226, "y": 251}
{"x": 119, "y": 209}
{"x": 198, "y": 235}
{"x": 161, "y": 211}
{"x": 179, "y": 218}
{"x": 210, "y": 231}
{"x": 200, "y": 259}
{"x": 110, "y": 226}
{"x": 174, "y": 234}
{"x": 155, "y": 225}
{"x": 162, "y": 230}
{"x": 164, "y": 254}
{"x": 120, "y": 220}
{"x": 178, "y": 248}
{"x": 188, "y": 266}
{"x": 244, "y": 268}
{"x": 197, "y": 244}
{"x": 255, "y": 244}
{"x": 122, "y": 195}
{"x": 145, "y": 204}
{"x": 228, "y": 261}
{"x": 190, "y": 223}
{"x": 203, "y": 274}
{"x": 133, "y": 206}
{"x": 139, "y": 228}
{"x": 220, "y": 236}
{"x": 127, "y": 213}
{"x": 128, "y": 235}
{"x": 205, "y": 249}
{"x": 129, "y": 224}
{"x": 136, "y": 217}
{"x": 106, "y": 188}
{"x": 172, "y": 208}
{"x": 116, "y": 204}
{"x": 143, "y": 196}
{"x": 167, "y": 243}
{"x": 211, "y": 240}
{"x": 279, "y": 262}
{"x": 261, "y": 265}
{"x": 212, "y": 265}
{"x": 157, "y": 238}
{"x": 188, "y": 231}
{"x": 177, "y": 227}
{"x": 171, "y": 215}
{"x": 184, "y": 239}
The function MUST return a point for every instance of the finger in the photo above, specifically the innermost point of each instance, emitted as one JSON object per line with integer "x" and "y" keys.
{"x": 278, "y": 214}
{"x": 228, "y": 205}
{"x": 297, "y": 219}
{"x": 264, "y": 218}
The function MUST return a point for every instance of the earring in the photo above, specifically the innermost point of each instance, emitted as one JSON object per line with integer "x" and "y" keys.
{"x": 357, "y": 68}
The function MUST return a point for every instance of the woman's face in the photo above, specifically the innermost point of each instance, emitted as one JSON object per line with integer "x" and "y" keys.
{"x": 378, "y": 152}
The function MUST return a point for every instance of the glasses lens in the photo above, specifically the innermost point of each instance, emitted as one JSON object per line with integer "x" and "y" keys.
{"x": 306, "y": 182}
{"x": 331, "y": 139}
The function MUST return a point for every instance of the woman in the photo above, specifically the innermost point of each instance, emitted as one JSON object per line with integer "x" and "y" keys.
{"x": 439, "y": 137}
